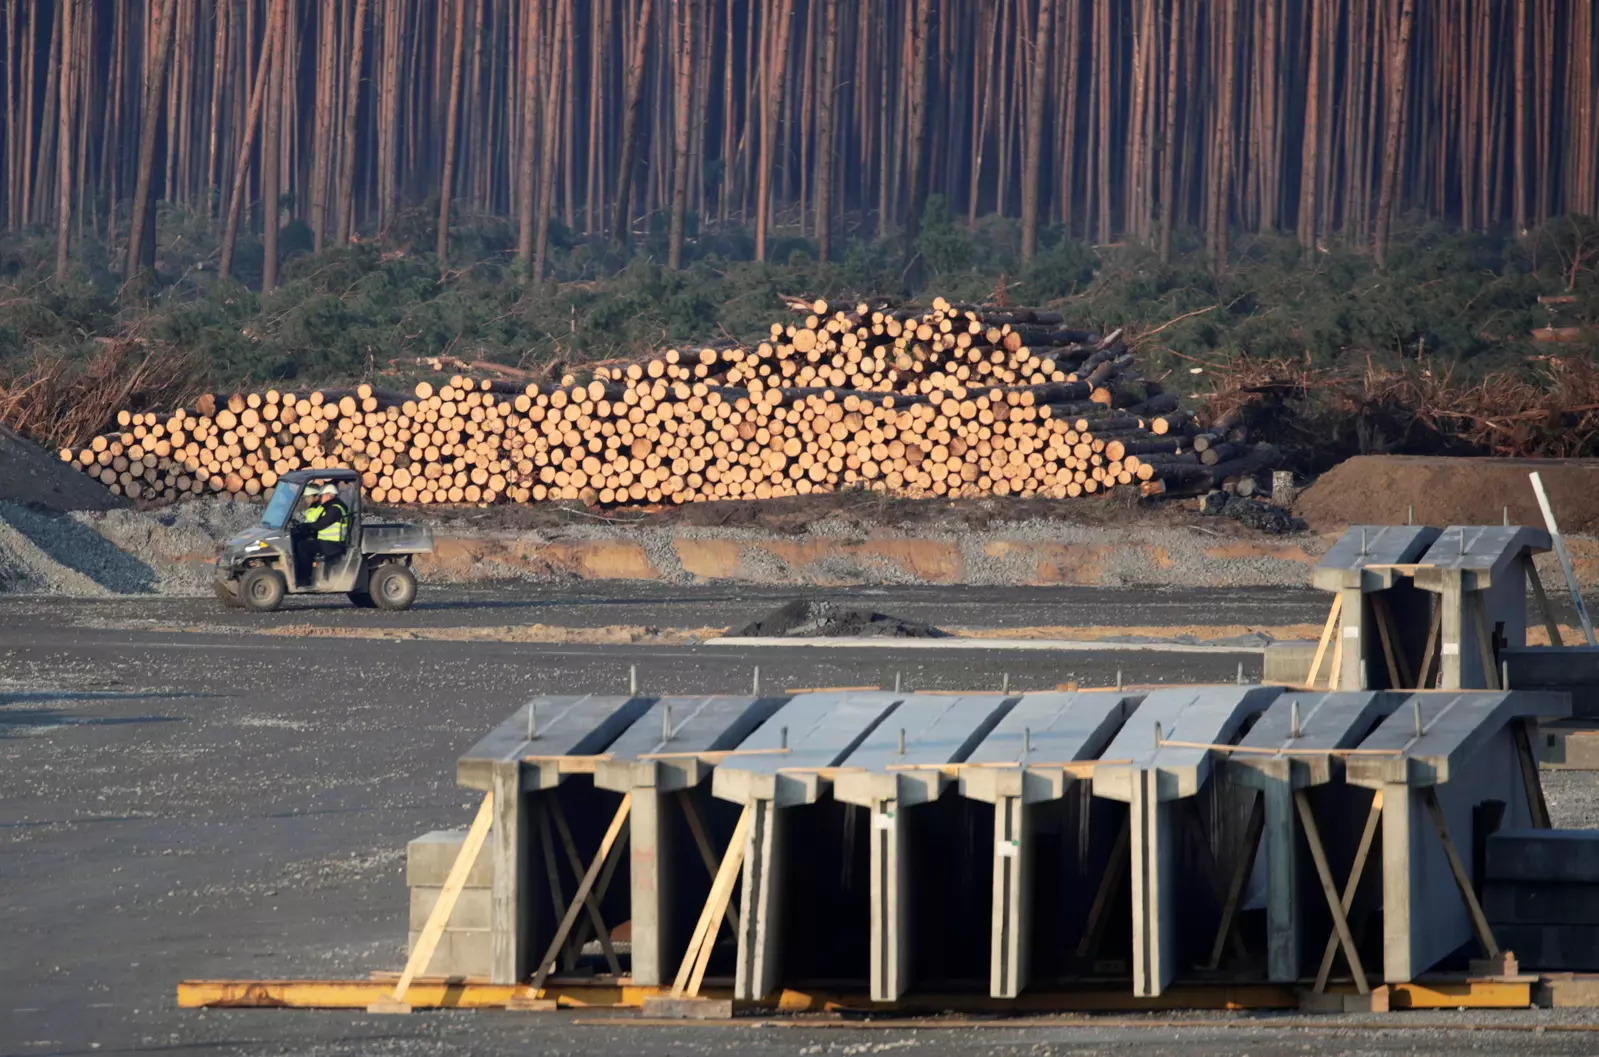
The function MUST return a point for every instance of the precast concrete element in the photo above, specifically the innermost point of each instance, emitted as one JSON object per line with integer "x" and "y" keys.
{"x": 1168, "y": 747}
{"x": 1368, "y": 572}
{"x": 786, "y": 763}
{"x": 519, "y": 757}
{"x": 1541, "y": 895}
{"x": 1435, "y": 759}
{"x": 903, "y": 763}
{"x": 1481, "y": 575}
{"x": 1294, "y": 746}
{"x": 660, "y": 760}
{"x": 1021, "y": 764}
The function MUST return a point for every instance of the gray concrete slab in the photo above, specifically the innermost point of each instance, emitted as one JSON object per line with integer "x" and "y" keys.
{"x": 1197, "y": 716}
{"x": 1568, "y": 856}
{"x": 904, "y": 757}
{"x": 811, "y": 733}
{"x": 1042, "y": 729}
{"x": 1348, "y": 564}
{"x": 1481, "y": 553}
{"x": 1432, "y": 733}
{"x": 561, "y": 725}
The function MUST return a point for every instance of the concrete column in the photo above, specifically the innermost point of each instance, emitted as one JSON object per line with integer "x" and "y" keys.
{"x": 1010, "y": 947}
{"x": 1280, "y": 838}
{"x": 1399, "y": 830}
{"x": 890, "y": 904}
{"x": 1352, "y": 669}
{"x": 650, "y": 882}
{"x": 1451, "y": 668}
{"x": 510, "y": 843}
{"x": 760, "y": 926}
{"x": 1154, "y": 920}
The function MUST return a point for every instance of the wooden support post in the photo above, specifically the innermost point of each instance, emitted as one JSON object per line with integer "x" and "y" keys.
{"x": 1537, "y": 806}
{"x": 692, "y": 972}
{"x": 581, "y": 897}
{"x": 1318, "y": 854}
{"x": 1479, "y": 920}
{"x": 1327, "y": 633}
{"x": 1109, "y": 883}
{"x": 1357, "y": 870}
{"x": 1235, "y": 890}
{"x": 702, "y": 841}
{"x": 428, "y": 941}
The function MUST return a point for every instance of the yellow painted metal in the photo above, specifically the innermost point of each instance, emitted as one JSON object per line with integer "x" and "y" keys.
{"x": 434, "y": 993}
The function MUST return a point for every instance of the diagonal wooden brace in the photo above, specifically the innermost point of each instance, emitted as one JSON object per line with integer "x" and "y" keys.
{"x": 1468, "y": 895}
{"x": 581, "y": 897}
{"x": 428, "y": 941}
{"x": 691, "y": 973}
{"x": 1318, "y": 853}
{"x": 1357, "y": 870}
{"x": 1235, "y": 889}
{"x": 591, "y": 901}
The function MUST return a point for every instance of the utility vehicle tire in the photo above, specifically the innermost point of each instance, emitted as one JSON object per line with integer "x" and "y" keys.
{"x": 262, "y": 589}
{"x": 361, "y": 600}
{"x": 392, "y": 587}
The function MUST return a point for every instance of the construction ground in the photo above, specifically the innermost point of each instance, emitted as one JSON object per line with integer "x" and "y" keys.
{"x": 187, "y": 792}
{"x": 183, "y": 796}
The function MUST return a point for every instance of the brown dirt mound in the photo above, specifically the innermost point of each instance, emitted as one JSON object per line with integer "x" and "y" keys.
{"x": 29, "y": 474}
{"x": 1381, "y": 489}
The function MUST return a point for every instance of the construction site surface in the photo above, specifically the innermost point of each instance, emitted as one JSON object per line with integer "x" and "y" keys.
{"x": 230, "y": 816}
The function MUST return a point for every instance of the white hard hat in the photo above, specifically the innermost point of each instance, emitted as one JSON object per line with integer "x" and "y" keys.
{"x": 328, "y": 489}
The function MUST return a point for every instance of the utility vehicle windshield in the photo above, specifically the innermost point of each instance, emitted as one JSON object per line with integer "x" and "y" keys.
{"x": 277, "y": 511}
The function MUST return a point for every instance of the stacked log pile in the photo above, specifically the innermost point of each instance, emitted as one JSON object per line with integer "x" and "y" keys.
{"x": 948, "y": 401}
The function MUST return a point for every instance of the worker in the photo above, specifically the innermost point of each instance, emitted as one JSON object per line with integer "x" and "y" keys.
{"x": 324, "y": 531}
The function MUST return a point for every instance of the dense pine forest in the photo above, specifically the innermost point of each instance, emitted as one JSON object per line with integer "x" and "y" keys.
{"x": 296, "y": 188}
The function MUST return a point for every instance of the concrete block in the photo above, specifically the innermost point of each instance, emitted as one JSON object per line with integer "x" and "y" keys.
{"x": 1546, "y": 947}
{"x": 1569, "y": 745}
{"x": 1549, "y": 855}
{"x": 1374, "y": 1001}
{"x": 1288, "y": 662}
{"x": 429, "y": 857}
{"x": 473, "y": 908}
{"x": 458, "y": 954}
{"x": 1574, "y": 669}
{"x": 1566, "y": 991}
{"x": 668, "y": 1007}
{"x": 1540, "y": 903}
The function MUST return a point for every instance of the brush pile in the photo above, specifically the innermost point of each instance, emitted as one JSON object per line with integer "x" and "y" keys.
{"x": 945, "y": 401}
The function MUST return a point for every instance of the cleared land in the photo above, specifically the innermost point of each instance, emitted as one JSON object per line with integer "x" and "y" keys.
{"x": 177, "y": 803}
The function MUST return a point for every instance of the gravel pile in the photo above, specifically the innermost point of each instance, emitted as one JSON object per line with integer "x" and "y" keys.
{"x": 803, "y": 618}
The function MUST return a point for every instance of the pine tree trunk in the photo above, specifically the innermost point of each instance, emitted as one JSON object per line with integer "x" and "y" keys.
{"x": 352, "y": 104}
{"x": 775, "y": 66}
{"x": 271, "y": 152}
{"x": 252, "y": 122}
{"x": 1033, "y": 140}
{"x": 141, "y": 229}
{"x": 64, "y": 141}
{"x": 551, "y": 146}
{"x": 620, "y": 222}
{"x": 826, "y": 101}
{"x": 1308, "y": 191}
{"x": 1393, "y": 133}
{"x": 451, "y": 119}
{"x": 684, "y": 19}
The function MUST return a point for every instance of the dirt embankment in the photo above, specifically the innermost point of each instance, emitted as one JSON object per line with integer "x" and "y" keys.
{"x": 1435, "y": 490}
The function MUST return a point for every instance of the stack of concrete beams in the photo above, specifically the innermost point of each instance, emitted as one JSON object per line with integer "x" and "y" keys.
{"x": 1541, "y": 894}
{"x": 902, "y": 842}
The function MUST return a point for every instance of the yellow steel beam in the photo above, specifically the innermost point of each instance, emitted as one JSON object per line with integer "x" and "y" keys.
{"x": 435, "y": 993}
